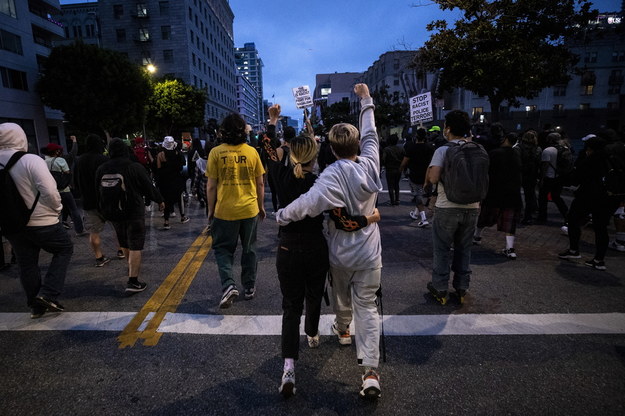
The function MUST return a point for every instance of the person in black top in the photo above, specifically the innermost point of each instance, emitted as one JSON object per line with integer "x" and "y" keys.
{"x": 417, "y": 158}
{"x": 169, "y": 179}
{"x": 392, "y": 156}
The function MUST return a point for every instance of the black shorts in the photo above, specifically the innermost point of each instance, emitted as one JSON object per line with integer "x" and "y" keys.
{"x": 131, "y": 233}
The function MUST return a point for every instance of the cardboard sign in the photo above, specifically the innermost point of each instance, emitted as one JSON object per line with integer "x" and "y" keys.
{"x": 302, "y": 96}
{"x": 421, "y": 108}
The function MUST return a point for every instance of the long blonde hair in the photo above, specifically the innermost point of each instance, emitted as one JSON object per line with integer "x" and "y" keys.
{"x": 303, "y": 152}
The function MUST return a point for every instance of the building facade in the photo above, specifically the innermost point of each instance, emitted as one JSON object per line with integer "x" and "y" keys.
{"x": 247, "y": 100}
{"x": 27, "y": 33}
{"x": 250, "y": 65}
{"x": 80, "y": 23}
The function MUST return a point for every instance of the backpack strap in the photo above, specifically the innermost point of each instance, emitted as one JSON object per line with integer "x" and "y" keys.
{"x": 12, "y": 161}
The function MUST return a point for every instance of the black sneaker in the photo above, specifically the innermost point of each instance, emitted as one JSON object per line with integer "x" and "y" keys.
{"x": 439, "y": 295}
{"x": 460, "y": 294}
{"x": 596, "y": 264}
{"x": 120, "y": 254}
{"x": 570, "y": 254}
{"x": 50, "y": 304}
{"x": 37, "y": 311}
{"x": 101, "y": 261}
{"x": 228, "y": 297}
{"x": 135, "y": 287}
{"x": 249, "y": 293}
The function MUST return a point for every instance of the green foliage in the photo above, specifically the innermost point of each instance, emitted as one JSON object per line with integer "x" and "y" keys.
{"x": 505, "y": 49}
{"x": 389, "y": 111}
{"x": 175, "y": 107}
{"x": 99, "y": 90}
{"x": 336, "y": 113}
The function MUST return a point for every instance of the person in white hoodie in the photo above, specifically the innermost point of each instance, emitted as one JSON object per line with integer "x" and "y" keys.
{"x": 353, "y": 182}
{"x": 43, "y": 231}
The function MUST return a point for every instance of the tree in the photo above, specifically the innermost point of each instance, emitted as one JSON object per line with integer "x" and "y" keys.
{"x": 175, "y": 106}
{"x": 504, "y": 49}
{"x": 97, "y": 89}
{"x": 389, "y": 112}
{"x": 336, "y": 113}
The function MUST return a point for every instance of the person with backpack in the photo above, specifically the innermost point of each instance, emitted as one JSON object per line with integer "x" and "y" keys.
{"x": 29, "y": 219}
{"x": 417, "y": 159}
{"x": 61, "y": 172}
{"x": 460, "y": 172}
{"x": 591, "y": 197}
{"x": 556, "y": 164}
{"x": 122, "y": 187}
{"x": 169, "y": 179}
{"x": 392, "y": 156}
{"x": 530, "y": 154}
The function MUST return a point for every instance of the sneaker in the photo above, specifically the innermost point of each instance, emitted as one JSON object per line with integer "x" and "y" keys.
{"x": 101, "y": 261}
{"x": 615, "y": 245}
{"x": 185, "y": 219}
{"x": 249, "y": 293}
{"x": 120, "y": 254}
{"x": 49, "y": 304}
{"x": 509, "y": 253}
{"x": 313, "y": 342}
{"x": 148, "y": 208}
{"x": 228, "y": 297}
{"x": 570, "y": 254}
{"x": 287, "y": 387}
{"x": 439, "y": 295}
{"x": 166, "y": 226}
{"x": 172, "y": 215}
{"x": 423, "y": 223}
{"x": 414, "y": 215}
{"x": 66, "y": 225}
{"x": 135, "y": 287}
{"x": 345, "y": 337}
{"x": 37, "y": 311}
{"x": 564, "y": 230}
{"x": 460, "y": 294}
{"x": 370, "y": 388}
{"x": 595, "y": 264}
{"x": 477, "y": 240}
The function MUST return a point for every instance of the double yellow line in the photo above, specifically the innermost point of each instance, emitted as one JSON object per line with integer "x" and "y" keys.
{"x": 167, "y": 297}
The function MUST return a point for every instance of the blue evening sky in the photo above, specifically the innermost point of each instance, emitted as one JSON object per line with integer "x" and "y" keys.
{"x": 297, "y": 39}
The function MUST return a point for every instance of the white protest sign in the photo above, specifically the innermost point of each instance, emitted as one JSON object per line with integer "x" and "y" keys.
{"x": 421, "y": 108}
{"x": 302, "y": 96}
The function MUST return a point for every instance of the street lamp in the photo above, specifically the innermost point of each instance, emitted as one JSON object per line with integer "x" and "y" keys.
{"x": 150, "y": 68}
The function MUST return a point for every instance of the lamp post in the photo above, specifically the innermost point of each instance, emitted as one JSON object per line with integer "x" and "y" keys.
{"x": 151, "y": 69}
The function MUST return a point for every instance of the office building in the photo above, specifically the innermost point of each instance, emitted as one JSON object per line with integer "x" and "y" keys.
{"x": 250, "y": 65}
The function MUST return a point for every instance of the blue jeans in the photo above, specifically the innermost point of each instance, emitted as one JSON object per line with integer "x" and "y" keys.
{"x": 452, "y": 227}
{"x": 225, "y": 237}
{"x": 55, "y": 240}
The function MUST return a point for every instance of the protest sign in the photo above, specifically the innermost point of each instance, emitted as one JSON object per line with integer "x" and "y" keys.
{"x": 421, "y": 108}
{"x": 302, "y": 96}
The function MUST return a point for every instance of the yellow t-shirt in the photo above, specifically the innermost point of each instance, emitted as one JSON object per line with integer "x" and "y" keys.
{"x": 236, "y": 168}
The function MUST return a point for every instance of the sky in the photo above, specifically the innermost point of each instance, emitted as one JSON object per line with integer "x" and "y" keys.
{"x": 298, "y": 39}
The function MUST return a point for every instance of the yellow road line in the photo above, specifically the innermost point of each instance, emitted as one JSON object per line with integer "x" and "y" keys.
{"x": 167, "y": 297}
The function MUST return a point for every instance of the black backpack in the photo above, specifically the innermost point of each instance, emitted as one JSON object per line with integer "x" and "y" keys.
{"x": 63, "y": 180}
{"x": 465, "y": 172}
{"x": 564, "y": 161}
{"x": 112, "y": 197}
{"x": 14, "y": 213}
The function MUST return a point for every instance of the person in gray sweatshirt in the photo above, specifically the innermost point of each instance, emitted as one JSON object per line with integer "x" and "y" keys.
{"x": 353, "y": 182}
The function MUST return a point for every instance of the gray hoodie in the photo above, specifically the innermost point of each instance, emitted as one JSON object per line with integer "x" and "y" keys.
{"x": 31, "y": 175}
{"x": 353, "y": 185}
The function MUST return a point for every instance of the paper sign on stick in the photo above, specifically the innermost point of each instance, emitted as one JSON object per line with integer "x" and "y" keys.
{"x": 421, "y": 108}
{"x": 302, "y": 96}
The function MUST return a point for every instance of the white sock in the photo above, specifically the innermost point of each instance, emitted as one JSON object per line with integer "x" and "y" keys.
{"x": 509, "y": 241}
{"x": 423, "y": 217}
{"x": 289, "y": 364}
{"x": 478, "y": 232}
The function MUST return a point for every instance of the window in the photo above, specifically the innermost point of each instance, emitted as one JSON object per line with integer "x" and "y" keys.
{"x": 13, "y": 79}
{"x": 166, "y": 32}
{"x": 120, "y": 35}
{"x": 118, "y": 11}
{"x": 558, "y": 109}
{"x": 476, "y": 111}
{"x": 326, "y": 91}
{"x": 530, "y": 108}
{"x": 8, "y": 7}
{"x": 146, "y": 58}
{"x": 77, "y": 31}
{"x": 587, "y": 89}
{"x": 190, "y": 14}
{"x": 613, "y": 106}
{"x": 90, "y": 30}
{"x": 10, "y": 42}
{"x": 142, "y": 10}
{"x": 163, "y": 8}
{"x": 614, "y": 89}
{"x": 168, "y": 56}
{"x": 584, "y": 106}
{"x": 559, "y": 91}
{"x": 144, "y": 34}
{"x": 590, "y": 57}
{"x": 618, "y": 56}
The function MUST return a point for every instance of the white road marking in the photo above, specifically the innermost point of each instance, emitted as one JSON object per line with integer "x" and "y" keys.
{"x": 394, "y": 325}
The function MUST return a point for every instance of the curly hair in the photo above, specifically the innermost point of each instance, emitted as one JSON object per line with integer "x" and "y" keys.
{"x": 232, "y": 129}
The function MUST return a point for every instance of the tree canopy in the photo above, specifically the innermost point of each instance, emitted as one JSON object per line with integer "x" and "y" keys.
{"x": 97, "y": 89}
{"x": 504, "y": 49}
{"x": 174, "y": 107}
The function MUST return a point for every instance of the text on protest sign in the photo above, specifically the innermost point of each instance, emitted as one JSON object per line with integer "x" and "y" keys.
{"x": 302, "y": 96}
{"x": 421, "y": 108}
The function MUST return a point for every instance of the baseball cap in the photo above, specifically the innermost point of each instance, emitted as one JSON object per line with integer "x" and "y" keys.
{"x": 169, "y": 143}
{"x": 53, "y": 147}
{"x": 434, "y": 128}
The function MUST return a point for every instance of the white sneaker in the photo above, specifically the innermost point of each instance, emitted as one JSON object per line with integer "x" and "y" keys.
{"x": 370, "y": 388}
{"x": 313, "y": 342}
{"x": 564, "y": 230}
{"x": 414, "y": 215}
{"x": 287, "y": 387}
{"x": 423, "y": 224}
{"x": 509, "y": 253}
{"x": 228, "y": 297}
{"x": 615, "y": 245}
{"x": 344, "y": 337}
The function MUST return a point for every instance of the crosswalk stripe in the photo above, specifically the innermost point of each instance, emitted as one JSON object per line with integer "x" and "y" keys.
{"x": 394, "y": 325}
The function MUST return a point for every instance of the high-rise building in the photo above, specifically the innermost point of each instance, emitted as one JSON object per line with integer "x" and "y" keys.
{"x": 250, "y": 65}
{"x": 80, "y": 23}
{"x": 247, "y": 100}
{"x": 27, "y": 33}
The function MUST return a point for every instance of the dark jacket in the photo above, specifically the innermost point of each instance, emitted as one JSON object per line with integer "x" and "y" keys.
{"x": 85, "y": 178}
{"x": 504, "y": 176}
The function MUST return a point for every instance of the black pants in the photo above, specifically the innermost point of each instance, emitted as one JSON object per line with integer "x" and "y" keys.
{"x": 393, "y": 176}
{"x": 302, "y": 264}
{"x": 553, "y": 186}
{"x": 601, "y": 210}
{"x": 529, "y": 192}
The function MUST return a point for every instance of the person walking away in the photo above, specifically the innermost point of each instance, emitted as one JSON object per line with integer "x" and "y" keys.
{"x": 455, "y": 215}
{"x": 170, "y": 181}
{"x": 43, "y": 231}
{"x": 352, "y": 182}
{"x": 416, "y": 160}
{"x": 235, "y": 193}
{"x": 392, "y": 156}
{"x": 551, "y": 181}
{"x": 530, "y": 155}
{"x": 122, "y": 187}
{"x": 502, "y": 205}
{"x": 591, "y": 197}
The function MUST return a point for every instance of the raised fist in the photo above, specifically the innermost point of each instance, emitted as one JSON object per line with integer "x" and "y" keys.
{"x": 361, "y": 90}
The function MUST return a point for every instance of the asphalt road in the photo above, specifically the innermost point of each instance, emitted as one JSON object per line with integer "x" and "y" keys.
{"x": 493, "y": 369}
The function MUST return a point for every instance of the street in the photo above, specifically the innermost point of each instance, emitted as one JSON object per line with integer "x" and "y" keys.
{"x": 537, "y": 335}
